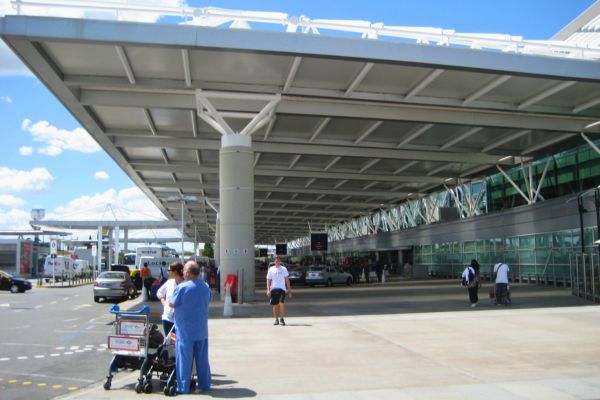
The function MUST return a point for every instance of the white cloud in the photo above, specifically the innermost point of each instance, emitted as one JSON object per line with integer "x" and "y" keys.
{"x": 101, "y": 175}
{"x": 6, "y": 99}
{"x": 81, "y": 12}
{"x": 57, "y": 140}
{"x": 14, "y": 219}
{"x": 15, "y": 181}
{"x": 126, "y": 204}
{"x": 10, "y": 65}
{"x": 10, "y": 201}
{"x": 26, "y": 150}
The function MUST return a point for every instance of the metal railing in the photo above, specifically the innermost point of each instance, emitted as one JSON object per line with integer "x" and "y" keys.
{"x": 585, "y": 276}
{"x": 239, "y": 19}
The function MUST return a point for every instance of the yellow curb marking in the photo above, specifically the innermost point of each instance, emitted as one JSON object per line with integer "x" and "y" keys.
{"x": 56, "y": 386}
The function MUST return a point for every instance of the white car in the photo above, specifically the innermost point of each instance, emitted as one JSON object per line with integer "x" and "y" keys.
{"x": 328, "y": 275}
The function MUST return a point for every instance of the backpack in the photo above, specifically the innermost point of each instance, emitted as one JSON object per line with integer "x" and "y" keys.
{"x": 471, "y": 275}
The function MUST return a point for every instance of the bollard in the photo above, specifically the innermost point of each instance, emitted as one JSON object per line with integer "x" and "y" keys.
{"x": 228, "y": 306}
{"x": 383, "y": 277}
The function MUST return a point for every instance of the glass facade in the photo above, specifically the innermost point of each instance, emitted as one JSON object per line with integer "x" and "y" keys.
{"x": 540, "y": 254}
{"x": 569, "y": 172}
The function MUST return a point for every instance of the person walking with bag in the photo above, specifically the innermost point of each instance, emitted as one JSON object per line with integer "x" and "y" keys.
{"x": 470, "y": 279}
{"x": 501, "y": 275}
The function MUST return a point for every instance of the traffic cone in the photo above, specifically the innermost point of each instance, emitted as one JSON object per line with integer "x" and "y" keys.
{"x": 228, "y": 306}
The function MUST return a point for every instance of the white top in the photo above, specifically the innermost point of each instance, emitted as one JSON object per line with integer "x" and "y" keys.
{"x": 277, "y": 277}
{"x": 465, "y": 274}
{"x": 166, "y": 291}
{"x": 501, "y": 271}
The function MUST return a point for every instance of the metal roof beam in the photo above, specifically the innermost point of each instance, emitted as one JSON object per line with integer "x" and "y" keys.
{"x": 544, "y": 94}
{"x": 308, "y": 149}
{"x": 424, "y": 83}
{"x": 486, "y": 89}
{"x": 291, "y": 74}
{"x": 330, "y": 108}
{"x": 126, "y": 64}
{"x": 358, "y": 78}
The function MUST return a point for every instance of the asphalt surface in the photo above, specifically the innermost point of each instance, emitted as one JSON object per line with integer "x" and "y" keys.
{"x": 399, "y": 340}
{"x": 53, "y": 341}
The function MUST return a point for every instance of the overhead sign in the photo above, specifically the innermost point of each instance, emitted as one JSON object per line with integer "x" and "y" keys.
{"x": 281, "y": 249}
{"x": 318, "y": 241}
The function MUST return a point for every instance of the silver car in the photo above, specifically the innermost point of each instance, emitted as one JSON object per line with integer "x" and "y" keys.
{"x": 328, "y": 275}
{"x": 114, "y": 284}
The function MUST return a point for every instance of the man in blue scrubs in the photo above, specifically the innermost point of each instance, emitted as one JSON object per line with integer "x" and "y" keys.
{"x": 190, "y": 301}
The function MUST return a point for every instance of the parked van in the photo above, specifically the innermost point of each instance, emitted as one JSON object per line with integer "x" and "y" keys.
{"x": 82, "y": 268}
{"x": 59, "y": 268}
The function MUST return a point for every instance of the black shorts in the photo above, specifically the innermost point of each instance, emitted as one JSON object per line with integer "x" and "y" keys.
{"x": 277, "y": 296}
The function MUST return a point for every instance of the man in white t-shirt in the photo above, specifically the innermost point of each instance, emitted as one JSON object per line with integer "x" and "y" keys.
{"x": 501, "y": 272}
{"x": 278, "y": 285}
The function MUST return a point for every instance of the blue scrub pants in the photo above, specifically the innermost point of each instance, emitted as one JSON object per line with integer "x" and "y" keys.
{"x": 186, "y": 352}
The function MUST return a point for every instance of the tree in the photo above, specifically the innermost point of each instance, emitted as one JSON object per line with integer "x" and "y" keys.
{"x": 208, "y": 250}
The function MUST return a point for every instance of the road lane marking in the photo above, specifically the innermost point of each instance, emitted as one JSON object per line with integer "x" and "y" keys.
{"x": 41, "y": 385}
{"x": 5, "y": 359}
{"x": 70, "y": 319}
{"x": 4, "y": 305}
{"x": 68, "y": 352}
{"x": 27, "y": 382}
{"x": 22, "y": 358}
{"x": 56, "y": 386}
{"x": 21, "y": 310}
{"x": 37, "y": 307}
{"x": 60, "y": 348}
{"x": 73, "y": 347}
{"x": 54, "y": 355}
{"x": 13, "y": 381}
{"x": 40, "y": 356}
{"x": 72, "y": 388}
{"x": 54, "y": 302}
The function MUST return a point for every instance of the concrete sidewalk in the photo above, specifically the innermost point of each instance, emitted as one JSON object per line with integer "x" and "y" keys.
{"x": 348, "y": 343}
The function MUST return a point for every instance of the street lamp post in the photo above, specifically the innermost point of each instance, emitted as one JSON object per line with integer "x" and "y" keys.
{"x": 182, "y": 198}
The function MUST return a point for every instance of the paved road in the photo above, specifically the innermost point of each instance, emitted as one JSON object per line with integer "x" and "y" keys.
{"x": 52, "y": 342}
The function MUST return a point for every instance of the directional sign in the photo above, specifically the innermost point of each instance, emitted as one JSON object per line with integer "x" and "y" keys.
{"x": 53, "y": 246}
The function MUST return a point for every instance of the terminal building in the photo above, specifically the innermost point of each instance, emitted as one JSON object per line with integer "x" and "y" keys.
{"x": 408, "y": 145}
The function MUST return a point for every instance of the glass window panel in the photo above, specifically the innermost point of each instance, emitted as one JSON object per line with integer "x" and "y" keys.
{"x": 561, "y": 256}
{"x": 541, "y": 257}
{"x": 470, "y": 246}
{"x": 526, "y": 242}
{"x": 575, "y": 239}
{"x": 589, "y": 237}
{"x": 543, "y": 240}
{"x": 527, "y": 257}
{"x": 557, "y": 239}
{"x": 511, "y": 258}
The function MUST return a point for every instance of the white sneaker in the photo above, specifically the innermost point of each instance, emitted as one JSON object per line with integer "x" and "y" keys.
{"x": 473, "y": 305}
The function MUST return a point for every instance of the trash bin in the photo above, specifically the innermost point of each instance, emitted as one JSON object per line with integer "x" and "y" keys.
{"x": 232, "y": 282}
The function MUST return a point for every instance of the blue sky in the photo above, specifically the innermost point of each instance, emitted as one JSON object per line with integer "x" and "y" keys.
{"x": 48, "y": 161}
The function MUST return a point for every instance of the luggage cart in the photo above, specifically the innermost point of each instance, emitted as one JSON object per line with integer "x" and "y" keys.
{"x": 129, "y": 343}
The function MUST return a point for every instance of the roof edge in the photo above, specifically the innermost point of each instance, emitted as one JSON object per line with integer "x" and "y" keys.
{"x": 582, "y": 19}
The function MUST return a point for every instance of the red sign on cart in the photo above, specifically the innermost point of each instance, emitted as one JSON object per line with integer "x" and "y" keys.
{"x": 125, "y": 343}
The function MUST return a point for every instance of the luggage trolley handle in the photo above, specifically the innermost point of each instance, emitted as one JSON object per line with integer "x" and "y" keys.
{"x": 115, "y": 309}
